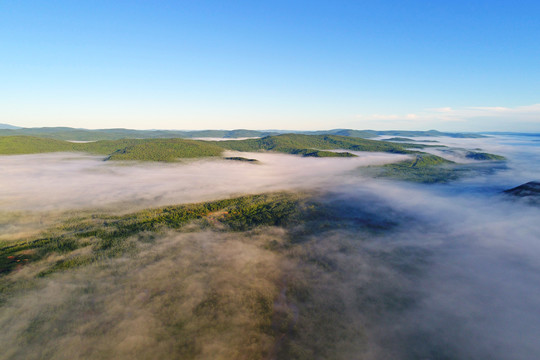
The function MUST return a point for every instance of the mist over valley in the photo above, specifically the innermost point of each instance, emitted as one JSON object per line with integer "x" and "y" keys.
{"x": 287, "y": 256}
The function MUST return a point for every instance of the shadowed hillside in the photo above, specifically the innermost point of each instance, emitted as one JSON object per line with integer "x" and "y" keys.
{"x": 530, "y": 192}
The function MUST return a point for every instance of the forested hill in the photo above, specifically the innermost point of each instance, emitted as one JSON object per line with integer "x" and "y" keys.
{"x": 124, "y": 149}
{"x": 292, "y": 143}
{"x": 422, "y": 167}
{"x": 172, "y": 149}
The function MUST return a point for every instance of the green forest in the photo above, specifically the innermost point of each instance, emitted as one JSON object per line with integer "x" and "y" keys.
{"x": 423, "y": 167}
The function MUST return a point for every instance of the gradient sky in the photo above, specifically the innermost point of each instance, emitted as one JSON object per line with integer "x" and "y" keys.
{"x": 449, "y": 65}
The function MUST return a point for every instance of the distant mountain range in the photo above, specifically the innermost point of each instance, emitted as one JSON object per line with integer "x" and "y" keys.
{"x": 68, "y": 133}
{"x": 511, "y": 133}
{"x": 7, "y": 126}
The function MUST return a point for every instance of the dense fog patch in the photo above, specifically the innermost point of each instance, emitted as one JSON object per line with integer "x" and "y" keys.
{"x": 479, "y": 296}
{"x": 63, "y": 181}
{"x": 195, "y": 295}
{"x": 477, "y": 292}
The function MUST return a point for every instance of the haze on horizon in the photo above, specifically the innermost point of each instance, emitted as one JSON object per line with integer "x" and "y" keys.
{"x": 458, "y": 66}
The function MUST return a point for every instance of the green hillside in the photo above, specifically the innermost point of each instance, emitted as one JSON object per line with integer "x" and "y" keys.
{"x": 125, "y": 149}
{"x": 171, "y": 149}
{"x": 32, "y": 145}
{"x": 106, "y": 147}
{"x": 298, "y": 143}
{"x": 423, "y": 168}
{"x": 165, "y": 150}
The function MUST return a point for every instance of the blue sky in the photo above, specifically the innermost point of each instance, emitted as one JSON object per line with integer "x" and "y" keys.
{"x": 449, "y": 65}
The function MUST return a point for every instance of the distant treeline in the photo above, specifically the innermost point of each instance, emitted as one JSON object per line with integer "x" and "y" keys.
{"x": 67, "y": 133}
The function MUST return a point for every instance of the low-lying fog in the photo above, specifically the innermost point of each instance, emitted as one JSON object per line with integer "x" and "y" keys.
{"x": 469, "y": 264}
{"x": 424, "y": 271}
{"x": 68, "y": 180}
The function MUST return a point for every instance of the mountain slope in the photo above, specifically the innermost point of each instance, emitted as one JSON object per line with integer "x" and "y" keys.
{"x": 166, "y": 150}
{"x": 11, "y": 145}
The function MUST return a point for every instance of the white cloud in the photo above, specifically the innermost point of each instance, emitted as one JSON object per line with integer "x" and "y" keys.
{"x": 443, "y": 109}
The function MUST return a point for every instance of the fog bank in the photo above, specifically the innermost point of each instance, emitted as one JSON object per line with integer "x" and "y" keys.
{"x": 47, "y": 182}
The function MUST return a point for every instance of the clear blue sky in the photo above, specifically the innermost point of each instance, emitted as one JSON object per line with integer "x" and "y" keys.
{"x": 451, "y": 65}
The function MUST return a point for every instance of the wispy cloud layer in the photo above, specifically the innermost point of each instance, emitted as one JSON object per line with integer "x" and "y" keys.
{"x": 520, "y": 118}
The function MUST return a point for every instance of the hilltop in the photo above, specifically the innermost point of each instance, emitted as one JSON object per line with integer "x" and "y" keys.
{"x": 529, "y": 191}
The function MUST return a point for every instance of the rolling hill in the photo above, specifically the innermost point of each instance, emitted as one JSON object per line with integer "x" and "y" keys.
{"x": 296, "y": 143}
{"x": 426, "y": 168}
{"x": 172, "y": 149}
{"x": 11, "y": 145}
{"x": 529, "y": 191}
